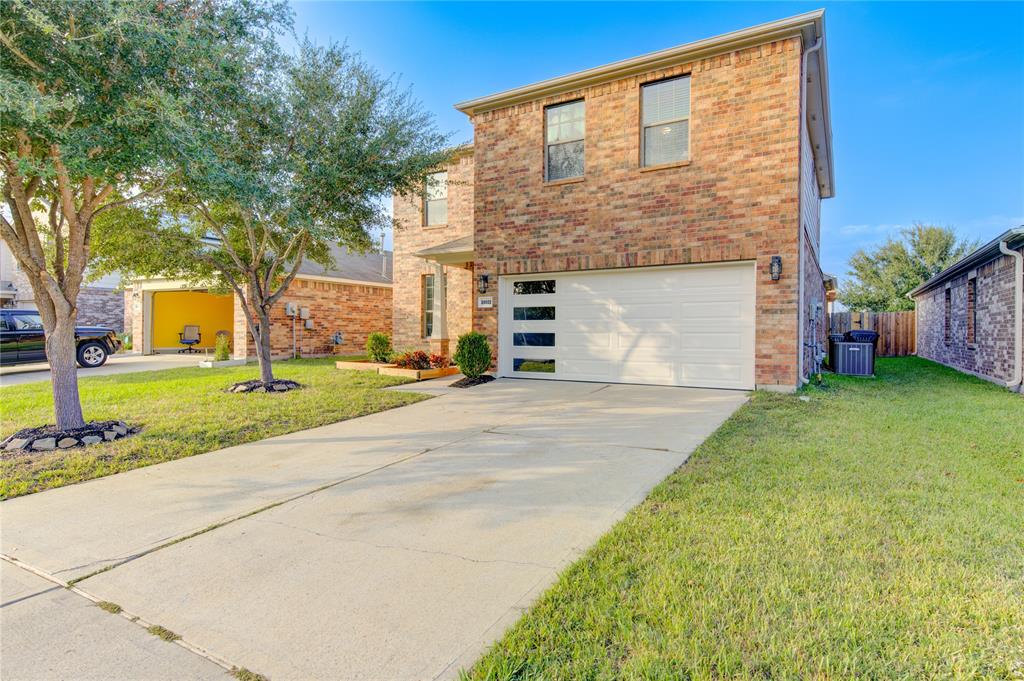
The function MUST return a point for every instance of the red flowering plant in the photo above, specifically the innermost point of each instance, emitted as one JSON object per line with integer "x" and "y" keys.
{"x": 415, "y": 359}
{"x": 438, "y": 361}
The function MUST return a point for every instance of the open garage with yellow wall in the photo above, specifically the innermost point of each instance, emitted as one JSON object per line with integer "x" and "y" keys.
{"x": 173, "y": 310}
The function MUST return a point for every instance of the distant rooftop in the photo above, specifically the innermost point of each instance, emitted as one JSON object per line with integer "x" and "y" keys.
{"x": 373, "y": 268}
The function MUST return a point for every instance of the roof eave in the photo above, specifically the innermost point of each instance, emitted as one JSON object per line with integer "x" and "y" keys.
{"x": 755, "y": 35}
{"x": 1014, "y": 237}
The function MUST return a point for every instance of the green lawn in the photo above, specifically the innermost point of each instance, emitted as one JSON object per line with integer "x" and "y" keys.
{"x": 184, "y": 412}
{"x": 874, "y": 531}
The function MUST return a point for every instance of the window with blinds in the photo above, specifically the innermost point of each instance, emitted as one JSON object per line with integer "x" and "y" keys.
{"x": 665, "y": 108}
{"x": 435, "y": 199}
{"x": 564, "y": 133}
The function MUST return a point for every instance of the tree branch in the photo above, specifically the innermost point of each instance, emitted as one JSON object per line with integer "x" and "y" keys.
{"x": 9, "y": 44}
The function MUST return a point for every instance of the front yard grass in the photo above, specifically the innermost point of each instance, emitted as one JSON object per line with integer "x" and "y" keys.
{"x": 184, "y": 412}
{"x": 874, "y": 531}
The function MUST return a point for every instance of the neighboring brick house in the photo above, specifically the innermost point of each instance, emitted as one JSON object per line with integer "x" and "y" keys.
{"x": 335, "y": 309}
{"x": 655, "y": 220}
{"x": 970, "y": 317}
{"x": 100, "y": 303}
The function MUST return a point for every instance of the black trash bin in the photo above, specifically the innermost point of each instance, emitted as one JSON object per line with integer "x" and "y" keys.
{"x": 862, "y": 336}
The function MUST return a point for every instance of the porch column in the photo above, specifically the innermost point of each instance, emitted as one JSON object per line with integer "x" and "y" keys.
{"x": 439, "y": 332}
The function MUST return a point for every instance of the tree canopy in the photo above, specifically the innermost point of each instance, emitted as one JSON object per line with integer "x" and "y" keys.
{"x": 308, "y": 148}
{"x": 880, "y": 279}
{"x": 101, "y": 103}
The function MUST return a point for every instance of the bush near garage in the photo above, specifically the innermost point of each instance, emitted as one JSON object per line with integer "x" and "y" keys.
{"x": 473, "y": 354}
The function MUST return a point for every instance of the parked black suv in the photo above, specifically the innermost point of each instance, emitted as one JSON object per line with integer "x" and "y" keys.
{"x": 22, "y": 340}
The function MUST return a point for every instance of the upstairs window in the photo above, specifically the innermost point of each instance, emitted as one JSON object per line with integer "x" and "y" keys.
{"x": 564, "y": 134}
{"x": 435, "y": 199}
{"x": 665, "y": 107}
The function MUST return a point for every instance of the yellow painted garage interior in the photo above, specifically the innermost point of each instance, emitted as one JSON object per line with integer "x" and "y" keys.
{"x": 172, "y": 310}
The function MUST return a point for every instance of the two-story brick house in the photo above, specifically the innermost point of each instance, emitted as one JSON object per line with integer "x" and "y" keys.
{"x": 654, "y": 220}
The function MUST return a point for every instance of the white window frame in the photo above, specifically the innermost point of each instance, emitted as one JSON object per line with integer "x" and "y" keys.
{"x": 643, "y": 127}
{"x": 548, "y": 145}
{"x": 427, "y": 200}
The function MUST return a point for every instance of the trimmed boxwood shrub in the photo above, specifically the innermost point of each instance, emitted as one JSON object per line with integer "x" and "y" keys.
{"x": 378, "y": 347}
{"x": 473, "y": 354}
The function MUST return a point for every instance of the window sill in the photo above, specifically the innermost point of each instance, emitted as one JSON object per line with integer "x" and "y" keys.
{"x": 665, "y": 166}
{"x": 568, "y": 180}
{"x": 440, "y": 226}
{"x": 972, "y": 346}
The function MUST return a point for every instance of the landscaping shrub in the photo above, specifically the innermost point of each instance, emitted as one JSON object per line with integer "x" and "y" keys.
{"x": 438, "y": 361}
{"x": 415, "y": 359}
{"x": 222, "y": 350}
{"x": 473, "y": 354}
{"x": 378, "y": 347}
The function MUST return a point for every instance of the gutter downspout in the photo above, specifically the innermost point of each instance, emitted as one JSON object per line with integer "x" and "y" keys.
{"x": 800, "y": 217}
{"x": 1018, "y": 315}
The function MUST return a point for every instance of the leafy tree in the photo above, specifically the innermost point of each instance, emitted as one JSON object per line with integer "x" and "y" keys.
{"x": 880, "y": 279}
{"x": 315, "y": 142}
{"x": 100, "y": 102}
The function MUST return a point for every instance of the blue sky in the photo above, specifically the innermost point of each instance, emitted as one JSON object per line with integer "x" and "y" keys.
{"x": 927, "y": 98}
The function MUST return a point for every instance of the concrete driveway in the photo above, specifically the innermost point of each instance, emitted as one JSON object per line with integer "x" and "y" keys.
{"x": 393, "y": 546}
{"x": 116, "y": 364}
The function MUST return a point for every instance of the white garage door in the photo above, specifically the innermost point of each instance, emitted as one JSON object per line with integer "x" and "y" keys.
{"x": 691, "y": 326}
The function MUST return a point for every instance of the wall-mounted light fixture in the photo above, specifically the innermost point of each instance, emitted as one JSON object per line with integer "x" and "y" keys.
{"x": 482, "y": 281}
{"x": 776, "y": 267}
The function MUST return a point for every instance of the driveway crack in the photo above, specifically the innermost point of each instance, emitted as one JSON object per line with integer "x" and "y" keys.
{"x": 397, "y": 547}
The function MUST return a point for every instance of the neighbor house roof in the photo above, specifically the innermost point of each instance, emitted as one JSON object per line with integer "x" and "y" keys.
{"x": 1014, "y": 238}
{"x": 373, "y": 268}
{"x": 809, "y": 26}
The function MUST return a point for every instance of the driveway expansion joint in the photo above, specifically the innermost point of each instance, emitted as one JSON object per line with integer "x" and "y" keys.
{"x": 131, "y": 617}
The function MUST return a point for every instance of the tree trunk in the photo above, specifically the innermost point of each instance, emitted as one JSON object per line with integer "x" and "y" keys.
{"x": 60, "y": 351}
{"x": 263, "y": 349}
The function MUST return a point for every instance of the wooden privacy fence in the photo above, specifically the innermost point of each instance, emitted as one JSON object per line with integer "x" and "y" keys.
{"x": 897, "y": 331}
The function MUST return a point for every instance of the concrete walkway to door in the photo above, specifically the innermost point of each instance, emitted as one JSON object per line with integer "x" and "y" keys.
{"x": 393, "y": 546}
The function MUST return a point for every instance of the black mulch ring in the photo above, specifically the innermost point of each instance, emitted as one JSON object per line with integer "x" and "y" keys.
{"x": 470, "y": 382}
{"x": 278, "y": 385}
{"x": 50, "y": 437}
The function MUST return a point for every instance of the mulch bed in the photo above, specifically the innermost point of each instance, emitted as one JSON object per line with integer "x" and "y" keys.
{"x": 470, "y": 382}
{"x": 278, "y": 385}
{"x": 49, "y": 438}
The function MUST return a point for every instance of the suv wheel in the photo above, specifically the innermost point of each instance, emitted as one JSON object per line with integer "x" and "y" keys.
{"x": 91, "y": 355}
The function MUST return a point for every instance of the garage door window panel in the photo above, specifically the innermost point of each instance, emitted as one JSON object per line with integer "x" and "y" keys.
{"x": 530, "y": 339}
{"x": 540, "y": 366}
{"x": 532, "y": 288}
{"x": 532, "y": 314}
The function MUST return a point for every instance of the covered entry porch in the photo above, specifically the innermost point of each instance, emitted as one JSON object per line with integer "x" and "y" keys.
{"x": 450, "y": 267}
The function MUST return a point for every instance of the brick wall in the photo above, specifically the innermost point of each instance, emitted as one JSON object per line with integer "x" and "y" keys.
{"x": 101, "y": 307}
{"x": 354, "y": 309}
{"x": 411, "y": 236}
{"x": 991, "y": 355}
{"x": 737, "y": 198}
{"x": 815, "y": 321}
